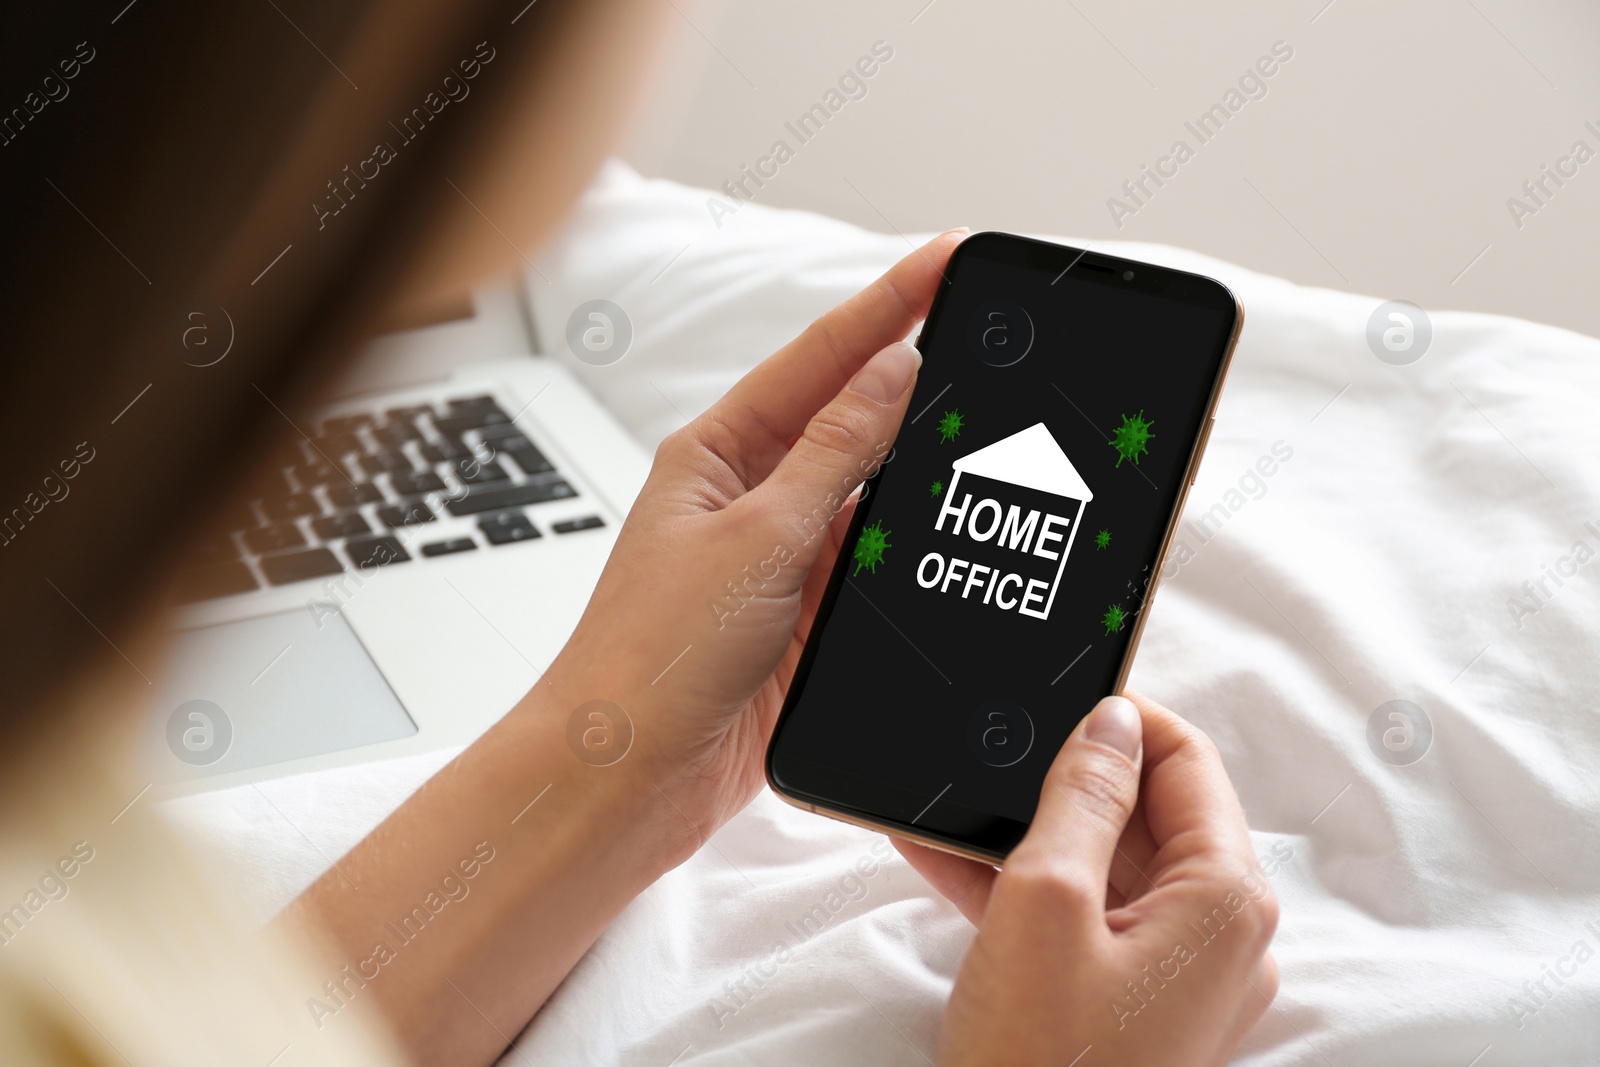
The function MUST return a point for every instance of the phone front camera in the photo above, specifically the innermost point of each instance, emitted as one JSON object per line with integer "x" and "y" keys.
{"x": 1127, "y": 275}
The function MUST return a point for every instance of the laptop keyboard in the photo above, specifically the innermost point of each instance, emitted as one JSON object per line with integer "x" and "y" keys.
{"x": 363, "y": 491}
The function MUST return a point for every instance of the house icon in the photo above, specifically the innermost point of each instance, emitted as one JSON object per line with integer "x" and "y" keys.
{"x": 1031, "y": 459}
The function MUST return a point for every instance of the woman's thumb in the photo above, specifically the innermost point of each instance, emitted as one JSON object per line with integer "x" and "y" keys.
{"x": 1090, "y": 793}
{"x": 842, "y": 446}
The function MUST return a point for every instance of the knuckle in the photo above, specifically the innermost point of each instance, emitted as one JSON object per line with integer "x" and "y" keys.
{"x": 748, "y": 520}
{"x": 1262, "y": 919}
{"x": 824, "y": 333}
{"x": 887, "y": 286}
{"x": 1038, "y": 881}
{"x": 1101, "y": 787}
{"x": 676, "y": 446}
{"x": 840, "y": 429}
{"x": 1199, "y": 743}
{"x": 1245, "y": 907}
{"x": 1267, "y": 979}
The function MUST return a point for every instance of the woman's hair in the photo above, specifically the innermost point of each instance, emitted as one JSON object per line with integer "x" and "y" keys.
{"x": 184, "y": 179}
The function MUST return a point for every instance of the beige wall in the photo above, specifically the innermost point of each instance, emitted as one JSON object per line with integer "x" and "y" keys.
{"x": 1380, "y": 159}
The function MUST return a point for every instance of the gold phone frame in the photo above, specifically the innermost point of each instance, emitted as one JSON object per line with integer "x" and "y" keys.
{"x": 1191, "y": 471}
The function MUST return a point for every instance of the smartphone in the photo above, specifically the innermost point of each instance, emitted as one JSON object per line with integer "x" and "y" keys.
{"x": 1001, "y": 562}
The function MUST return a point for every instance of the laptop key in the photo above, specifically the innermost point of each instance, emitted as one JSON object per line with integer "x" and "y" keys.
{"x": 413, "y": 483}
{"x": 406, "y": 513}
{"x": 588, "y": 522}
{"x": 208, "y": 583}
{"x": 320, "y": 472}
{"x": 347, "y": 495}
{"x": 298, "y": 566}
{"x": 476, "y": 472}
{"x": 386, "y": 462}
{"x": 474, "y": 403}
{"x": 337, "y": 526}
{"x": 274, "y": 538}
{"x": 495, "y": 433}
{"x": 443, "y": 451}
{"x": 445, "y": 548}
{"x": 480, "y": 499}
{"x": 371, "y": 552}
{"x": 506, "y": 527}
{"x": 335, "y": 446}
{"x": 395, "y": 434}
{"x": 457, "y": 424}
{"x": 290, "y": 507}
{"x": 408, "y": 413}
{"x": 530, "y": 460}
{"x": 348, "y": 424}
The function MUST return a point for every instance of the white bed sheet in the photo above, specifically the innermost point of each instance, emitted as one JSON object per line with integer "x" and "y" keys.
{"x": 1377, "y": 562}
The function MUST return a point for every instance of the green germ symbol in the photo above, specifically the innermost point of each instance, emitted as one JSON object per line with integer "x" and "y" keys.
{"x": 950, "y": 426}
{"x": 1102, "y": 539}
{"x": 870, "y": 547}
{"x": 1114, "y": 618}
{"x": 936, "y": 488}
{"x": 1132, "y": 439}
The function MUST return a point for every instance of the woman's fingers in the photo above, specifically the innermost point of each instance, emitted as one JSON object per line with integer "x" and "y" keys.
{"x": 963, "y": 882}
{"x": 1189, "y": 802}
{"x": 841, "y": 446}
{"x": 1088, "y": 796}
{"x": 755, "y": 423}
{"x": 1130, "y": 867}
{"x": 1183, "y": 965}
{"x": 822, "y": 570}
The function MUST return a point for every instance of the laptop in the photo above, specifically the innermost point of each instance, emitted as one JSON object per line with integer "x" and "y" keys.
{"x": 418, "y": 554}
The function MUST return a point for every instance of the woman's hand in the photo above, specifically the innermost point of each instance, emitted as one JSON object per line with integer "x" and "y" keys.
{"x": 694, "y": 630}
{"x": 696, "y": 625}
{"x": 1130, "y": 925}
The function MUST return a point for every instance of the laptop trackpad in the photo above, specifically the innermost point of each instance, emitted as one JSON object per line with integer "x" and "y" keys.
{"x": 264, "y": 690}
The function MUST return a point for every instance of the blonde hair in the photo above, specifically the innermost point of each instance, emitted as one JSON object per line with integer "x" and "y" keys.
{"x": 192, "y": 175}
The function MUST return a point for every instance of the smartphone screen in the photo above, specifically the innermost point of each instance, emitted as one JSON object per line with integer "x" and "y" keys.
{"x": 997, "y": 569}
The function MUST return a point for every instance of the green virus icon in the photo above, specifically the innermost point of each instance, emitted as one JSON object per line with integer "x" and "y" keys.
{"x": 870, "y": 547}
{"x": 1114, "y": 618}
{"x": 936, "y": 488}
{"x": 950, "y": 425}
{"x": 1132, "y": 439}
{"x": 1102, "y": 539}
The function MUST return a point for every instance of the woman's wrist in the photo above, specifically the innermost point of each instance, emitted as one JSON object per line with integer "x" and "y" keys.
{"x": 594, "y": 742}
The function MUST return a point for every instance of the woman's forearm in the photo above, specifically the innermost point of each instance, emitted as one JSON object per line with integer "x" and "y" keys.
{"x": 461, "y": 913}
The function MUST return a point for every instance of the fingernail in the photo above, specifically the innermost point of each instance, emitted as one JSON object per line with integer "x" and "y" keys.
{"x": 1115, "y": 722}
{"x": 887, "y": 374}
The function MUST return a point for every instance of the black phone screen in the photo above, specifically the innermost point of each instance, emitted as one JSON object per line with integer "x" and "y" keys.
{"x": 999, "y": 561}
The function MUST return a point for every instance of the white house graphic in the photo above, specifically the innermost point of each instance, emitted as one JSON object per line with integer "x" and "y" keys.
{"x": 1031, "y": 459}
